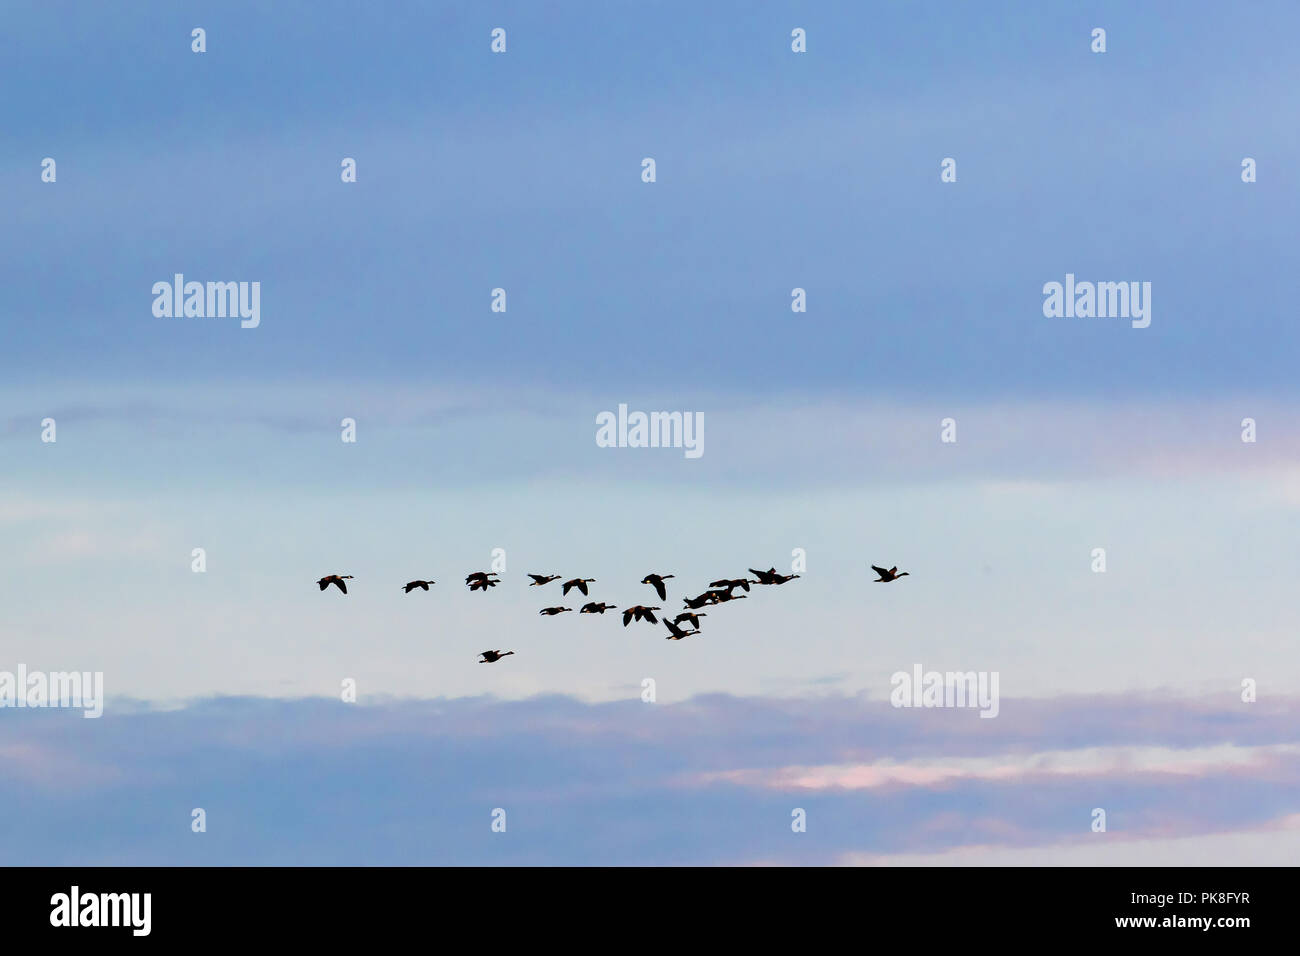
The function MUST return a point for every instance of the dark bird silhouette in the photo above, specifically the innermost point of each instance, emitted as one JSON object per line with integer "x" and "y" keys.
{"x": 491, "y": 657}
{"x": 481, "y": 581}
{"x": 675, "y": 633}
{"x": 770, "y": 576}
{"x": 579, "y": 583}
{"x": 542, "y": 579}
{"x": 721, "y": 597}
{"x": 886, "y": 576}
{"x": 730, "y": 583}
{"x": 640, "y": 613}
{"x": 335, "y": 579}
{"x": 657, "y": 582}
{"x": 594, "y": 608}
{"x": 689, "y": 616}
{"x": 479, "y": 576}
{"x": 412, "y": 585}
{"x": 552, "y": 611}
{"x": 704, "y": 600}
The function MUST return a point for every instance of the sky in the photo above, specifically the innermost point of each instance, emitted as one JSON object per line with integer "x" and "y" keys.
{"x": 822, "y": 448}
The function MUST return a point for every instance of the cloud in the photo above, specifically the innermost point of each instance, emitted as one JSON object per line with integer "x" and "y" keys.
{"x": 1091, "y": 762}
{"x": 21, "y": 508}
{"x": 1274, "y": 843}
{"x": 57, "y": 530}
{"x": 1039, "y": 447}
{"x": 69, "y": 546}
{"x": 405, "y": 782}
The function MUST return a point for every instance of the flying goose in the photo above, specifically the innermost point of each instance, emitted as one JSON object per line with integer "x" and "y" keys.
{"x": 656, "y": 581}
{"x": 675, "y": 633}
{"x": 552, "y": 611}
{"x": 579, "y": 583}
{"x": 770, "y": 576}
{"x": 689, "y": 616}
{"x": 730, "y": 583}
{"x": 594, "y": 608}
{"x": 542, "y": 579}
{"x": 886, "y": 576}
{"x": 335, "y": 579}
{"x": 412, "y": 585}
{"x": 640, "y": 613}
{"x": 491, "y": 657}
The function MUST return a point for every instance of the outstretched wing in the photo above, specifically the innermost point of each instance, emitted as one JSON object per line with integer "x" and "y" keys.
{"x": 582, "y": 586}
{"x": 650, "y": 616}
{"x": 881, "y": 571}
{"x": 659, "y": 589}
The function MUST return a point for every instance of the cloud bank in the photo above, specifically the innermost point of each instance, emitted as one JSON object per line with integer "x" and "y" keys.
{"x": 710, "y": 780}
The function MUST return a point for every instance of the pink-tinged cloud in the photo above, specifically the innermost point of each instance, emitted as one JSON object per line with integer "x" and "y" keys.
{"x": 712, "y": 780}
{"x": 1093, "y": 762}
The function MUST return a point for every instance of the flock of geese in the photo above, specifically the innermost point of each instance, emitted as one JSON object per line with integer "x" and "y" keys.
{"x": 719, "y": 592}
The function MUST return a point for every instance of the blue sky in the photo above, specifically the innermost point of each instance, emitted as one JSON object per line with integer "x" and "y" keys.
{"x": 775, "y": 171}
{"x": 475, "y": 428}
